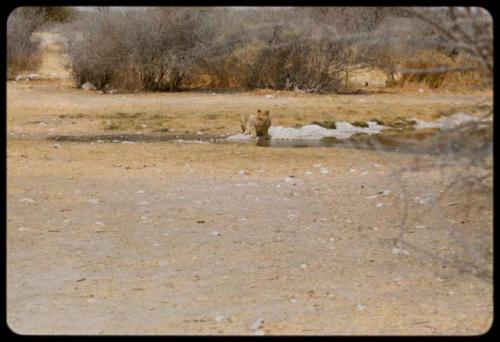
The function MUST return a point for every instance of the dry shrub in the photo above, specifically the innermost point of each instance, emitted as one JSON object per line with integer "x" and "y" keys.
{"x": 22, "y": 49}
{"x": 435, "y": 60}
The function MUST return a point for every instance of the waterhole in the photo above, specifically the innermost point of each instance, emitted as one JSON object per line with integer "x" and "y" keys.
{"x": 392, "y": 141}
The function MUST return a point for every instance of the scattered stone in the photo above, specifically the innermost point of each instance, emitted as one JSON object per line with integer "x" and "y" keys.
{"x": 293, "y": 300}
{"x": 396, "y": 250}
{"x": 380, "y": 205}
{"x": 361, "y": 307}
{"x": 421, "y": 200}
{"x": 30, "y": 77}
{"x": 308, "y": 173}
{"x": 303, "y": 266}
{"x": 268, "y": 96}
{"x": 324, "y": 171}
{"x": 99, "y": 223}
{"x": 81, "y": 279}
{"x": 317, "y": 165}
{"x": 384, "y": 192}
{"x": 220, "y": 318}
{"x": 216, "y": 233}
{"x": 56, "y": 146}
{"x": 22, "y": 229}
{"x": 127, "y": 142}
{"x": 258, "y": 324}
{"x": 88, "y": 86}
{"x": 93, "y": 200}
{"x": 28, "y": 200}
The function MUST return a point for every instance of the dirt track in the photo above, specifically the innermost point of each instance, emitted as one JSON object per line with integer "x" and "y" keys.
{"x": 166, "y": 238}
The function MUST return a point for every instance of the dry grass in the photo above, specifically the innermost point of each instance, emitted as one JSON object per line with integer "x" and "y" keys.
{"x": 433, "y": 59}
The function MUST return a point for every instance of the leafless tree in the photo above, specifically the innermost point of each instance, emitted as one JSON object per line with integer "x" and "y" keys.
{"x": 22, "y": 49}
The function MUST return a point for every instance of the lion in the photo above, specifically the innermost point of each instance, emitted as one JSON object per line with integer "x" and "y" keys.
{"x": 257, "y": 125}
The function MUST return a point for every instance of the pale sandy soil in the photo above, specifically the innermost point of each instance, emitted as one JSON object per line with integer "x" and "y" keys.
{"x": 166, "y": 238}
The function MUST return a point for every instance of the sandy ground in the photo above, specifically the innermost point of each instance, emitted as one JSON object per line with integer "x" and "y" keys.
{"x": 166, "y": 238}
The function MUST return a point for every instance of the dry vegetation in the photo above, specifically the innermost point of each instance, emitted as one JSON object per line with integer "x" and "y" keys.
{"x": 305, "y": 49}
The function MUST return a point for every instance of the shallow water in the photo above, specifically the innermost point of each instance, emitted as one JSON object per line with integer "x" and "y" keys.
{"x": 407, "y": 143}
{"x": 374, "y": 137}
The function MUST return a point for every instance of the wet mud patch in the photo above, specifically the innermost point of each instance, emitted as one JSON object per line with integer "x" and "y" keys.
{"x": 130, "y": 137}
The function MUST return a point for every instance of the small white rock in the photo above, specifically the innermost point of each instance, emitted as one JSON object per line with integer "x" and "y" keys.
{"x": 361, "y": 307}
{"x": 379, "y": 205}
{"x": 88, "y": 86}
{"x": 216, "y": 233}
{"x": 258, "y": 324}
{"x": 219, "y": 318}
{"x": 28, "y": 200}
{"x": 324, "y": 171}
{"x": 99, "y": 223}
{"x": 317, "y": 165}
{"x": 303, "y": 266}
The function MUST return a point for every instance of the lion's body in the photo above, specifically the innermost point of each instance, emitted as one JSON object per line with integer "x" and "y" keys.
{"x": 257, "y": 125}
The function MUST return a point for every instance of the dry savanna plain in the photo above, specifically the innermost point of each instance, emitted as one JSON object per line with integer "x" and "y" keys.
{"x": 110, "y": 236}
